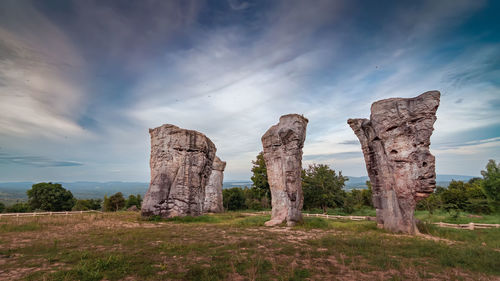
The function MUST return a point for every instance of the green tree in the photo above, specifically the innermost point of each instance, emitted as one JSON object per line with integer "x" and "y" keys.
{"x": 133, "y": 200}
{"x": 50, "y": 197}
{"x": 87, "y": 204}
{"x": 259, "y": 177}
{"x": 233, "y": 198}
{"x": 114, "y": 203}
{"x": 322, "y": 187}
{"x": 2, "y": 207}
{"x": 19, "y": 207}
{"x": 491, "y": 183}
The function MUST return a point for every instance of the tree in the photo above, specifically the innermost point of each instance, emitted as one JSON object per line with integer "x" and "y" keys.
{"x": 50, "y": 197}
{"x": 322, "y": 187}
{"x": 259, "y": 171}
{"x": 2, "y": 207}
{"x": 19, "y": 207}
{"x": 114, "y": 203}
{"x": 233, "y": 198}
{"x": 133, "y": 201}
{"x": 87, "y": 204}
{"x": 491, "y": 183}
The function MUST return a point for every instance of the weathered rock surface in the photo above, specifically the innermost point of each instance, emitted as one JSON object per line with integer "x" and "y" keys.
{"x": 213, "y": 190}
{"x": 395, "y": 143}
{"x": 283, "y": 145}
{"x": 181, "y": 164}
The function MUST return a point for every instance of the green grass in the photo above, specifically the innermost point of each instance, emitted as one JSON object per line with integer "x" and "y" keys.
{"x": 236, "y": 246}
{"x": 463, "y": 218}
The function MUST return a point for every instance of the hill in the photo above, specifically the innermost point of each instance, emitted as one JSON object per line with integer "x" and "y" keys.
{"x": 10, "y": 192}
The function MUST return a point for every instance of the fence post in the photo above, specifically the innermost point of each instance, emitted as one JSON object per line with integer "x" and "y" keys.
{"x": 471, "y": 225}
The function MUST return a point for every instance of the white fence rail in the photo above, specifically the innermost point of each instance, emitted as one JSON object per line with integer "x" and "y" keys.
{"x": 470, "y": 226}
{"x": 37, "y": 214}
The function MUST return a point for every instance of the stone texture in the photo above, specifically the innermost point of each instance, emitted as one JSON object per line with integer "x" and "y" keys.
{"x": 283, "y": 145}
{"x": 395, "y": 143}
{"x": 213, "y": 190}
{"x": 181, "y": 164}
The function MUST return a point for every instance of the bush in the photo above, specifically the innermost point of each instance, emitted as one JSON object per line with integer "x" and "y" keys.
{"x": 87, "y": 204}
{"x": 19, "y": 207}
{"x": 233, "y": 198}
{"x": 2, "y": 207}
{"x": 114, "y": 203}
{"x": 134, "y": 201}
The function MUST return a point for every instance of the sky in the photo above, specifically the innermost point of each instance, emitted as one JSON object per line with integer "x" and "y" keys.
{"x": 81, "y": 82}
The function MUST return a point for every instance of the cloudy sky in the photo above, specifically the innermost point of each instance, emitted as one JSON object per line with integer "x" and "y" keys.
{"x": 82, "y": 81}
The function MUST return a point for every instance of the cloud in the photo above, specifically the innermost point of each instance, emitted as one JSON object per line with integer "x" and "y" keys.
{"x": 238, "y": 5}
{"x": 339, "y": 155}
{"x": 350, "y": 142}
{"x": 36, "y": 161}
{"x": 40, "y": 73}
{"x": 101, "y": 73}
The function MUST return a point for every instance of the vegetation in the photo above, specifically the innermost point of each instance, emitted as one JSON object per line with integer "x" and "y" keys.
{"x": 322, "y": 187}
{"x": 233, "y": 246}
{"x": 114, "y": 203}
{"x": 50, "y": 197}
{"x": 87, "y": 204}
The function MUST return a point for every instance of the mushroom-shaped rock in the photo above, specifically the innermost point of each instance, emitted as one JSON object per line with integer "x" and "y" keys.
{"x": 283, "y": 145}
{"x": 213, "y": 190}
{"x": 181, "y": 164}
{"x": 395, "y": 143}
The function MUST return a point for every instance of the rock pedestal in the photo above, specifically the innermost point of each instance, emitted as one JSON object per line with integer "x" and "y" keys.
{"x": 395, "y": 143}
{"x": 283, "y": 145}
{"x": 213, "y": 190}
{"x": 181, "y": 164}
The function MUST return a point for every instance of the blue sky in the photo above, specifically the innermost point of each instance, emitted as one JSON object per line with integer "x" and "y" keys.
{"x": 82, "y": 81}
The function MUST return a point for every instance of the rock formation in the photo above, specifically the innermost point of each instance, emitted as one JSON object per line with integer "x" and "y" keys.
{"x": 213, "y": 190}
{"x": 395, "y": 143}
{"x": 181, "y": 164}
{"x": 283, "y": 155}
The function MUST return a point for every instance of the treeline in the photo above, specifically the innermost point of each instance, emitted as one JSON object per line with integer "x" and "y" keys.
{"x": 53, "y": 197}
{"x": 324, "y": 189}
{"x": 478, "y": 195}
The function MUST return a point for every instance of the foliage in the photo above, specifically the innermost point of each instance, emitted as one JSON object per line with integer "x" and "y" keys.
{"x": 50, "y": 197}
{"x": 322, "y": 187}
{"x": 233, "y": 198}
{"x": 19, "y": 207}
{"x": 2, "y": 207}
{"x": 259, "y": 177}
{"x": 87, "y": 204}
{"x": 134, "y": 200}
{"x": 114, "y": 203}
{"x": 491, "y": 183}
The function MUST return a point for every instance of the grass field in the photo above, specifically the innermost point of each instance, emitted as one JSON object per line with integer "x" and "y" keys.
{"x": 236, "y": 246}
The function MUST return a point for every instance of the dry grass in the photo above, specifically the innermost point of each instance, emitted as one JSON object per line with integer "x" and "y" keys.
{"x": 231, "y": 246}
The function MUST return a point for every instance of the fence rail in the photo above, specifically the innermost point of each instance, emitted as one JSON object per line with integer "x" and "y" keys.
{"x": 37, "y": 214}
{"x": 470, "y": 226}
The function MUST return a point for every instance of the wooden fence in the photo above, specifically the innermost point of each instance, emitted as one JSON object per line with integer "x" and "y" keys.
{"x": 37, "y": 214}
{"x": 470, "y": 226}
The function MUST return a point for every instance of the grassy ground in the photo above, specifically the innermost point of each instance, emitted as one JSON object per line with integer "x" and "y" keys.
{"x": 235, "y": 246}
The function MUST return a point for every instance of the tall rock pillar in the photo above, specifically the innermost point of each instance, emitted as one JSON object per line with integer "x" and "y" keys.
{"x": 213, "y": 190}
{"x": 283, "y": 145}
{"x": 395, "y": 143}
{"x": 181, "y": 164}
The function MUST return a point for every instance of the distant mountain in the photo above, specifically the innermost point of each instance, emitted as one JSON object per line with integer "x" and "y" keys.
{"x": 441, "y": 180}
{"x": 13, "y": 191}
